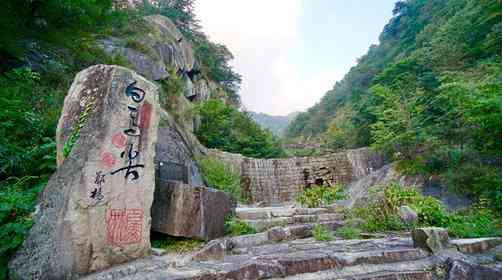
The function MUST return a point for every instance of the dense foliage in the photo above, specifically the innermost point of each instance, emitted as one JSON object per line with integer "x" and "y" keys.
{"x": 430, "y": 94}
{"x": 225, "y": 127}
{"x": 381, "y": 213}
{"x": 37, "y": 63}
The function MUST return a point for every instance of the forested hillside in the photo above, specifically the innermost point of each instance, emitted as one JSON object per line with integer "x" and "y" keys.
{"x": 276, "y": 124}
{"x": 430, "y": 94}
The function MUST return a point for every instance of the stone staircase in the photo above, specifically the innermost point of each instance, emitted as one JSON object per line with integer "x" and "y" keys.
{"x": 392, "y": 258}
{"x": 264, "y": 218}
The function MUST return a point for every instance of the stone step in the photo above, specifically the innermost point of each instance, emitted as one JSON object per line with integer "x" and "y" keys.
{"x": 264, "y": 224}
{"x": 297, "y": 261}
{"x": 411, "y": 270}
{"x": 476, "y": 245}
{"x": 260, "y": 213}
{"x": 307, "y": 259}
{"x": 217, "y": 249}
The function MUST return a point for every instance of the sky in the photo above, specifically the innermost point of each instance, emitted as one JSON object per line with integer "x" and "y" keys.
{"x": 290, "y": 52}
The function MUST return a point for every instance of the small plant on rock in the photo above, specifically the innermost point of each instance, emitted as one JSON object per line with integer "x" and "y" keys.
{"x": 236, "y": 227}
{"x": 347, "y": 232}
{"x": 322, "y": 233}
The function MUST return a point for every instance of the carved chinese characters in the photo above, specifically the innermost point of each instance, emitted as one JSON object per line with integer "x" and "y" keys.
{"x": 95, "y": 210}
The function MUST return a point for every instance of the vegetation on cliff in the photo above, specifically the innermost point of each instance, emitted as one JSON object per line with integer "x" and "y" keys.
{"x": 430, "y": 94}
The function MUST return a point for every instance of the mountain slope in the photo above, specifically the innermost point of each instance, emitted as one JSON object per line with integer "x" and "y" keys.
{"x": 276, "y": 124}
{"x": 430, "y": 94}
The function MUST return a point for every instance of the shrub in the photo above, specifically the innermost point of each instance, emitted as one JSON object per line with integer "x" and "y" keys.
{"x": 320, "y": 196}
{"x": 17, "y": 202}
{"x": 478, "y": 221}
{"x": 321, "y": 233}
{"x": 236, "y": 227}
{"x": 431, "y": 211}
{"x": 382, "y": 214}
{"x": 347, "y": 232}
{"x": 219, "y": 175}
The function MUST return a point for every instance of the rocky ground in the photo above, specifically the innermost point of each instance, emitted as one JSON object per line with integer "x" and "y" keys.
{"x": 285, "y": 250}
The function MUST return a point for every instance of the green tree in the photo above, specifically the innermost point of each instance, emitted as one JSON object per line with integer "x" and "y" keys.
{"x": 224, "y": 127}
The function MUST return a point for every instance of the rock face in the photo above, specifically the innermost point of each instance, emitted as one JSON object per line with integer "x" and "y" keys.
{"x": 408, "y": 215}
{"x": 175, "y": 153}
{"x": 358, "y": 190}
{"x": 94, "y": 212}
{"x": 160, "y": 47}
{"x": 462, "y": 270}
{"x": 275, "y": 181}
{"x": 196, "y": 212}
{"x": 433, "y": 239}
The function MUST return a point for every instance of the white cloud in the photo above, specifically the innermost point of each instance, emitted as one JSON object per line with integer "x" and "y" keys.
{"x": 260, "y": 34}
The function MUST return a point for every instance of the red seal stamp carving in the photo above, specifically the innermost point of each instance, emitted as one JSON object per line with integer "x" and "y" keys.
{"x": 119, "y": 140}
{"x": 108, "y": 159}
{"x": 124, "y": 226}
{"x": 145, "y": 116}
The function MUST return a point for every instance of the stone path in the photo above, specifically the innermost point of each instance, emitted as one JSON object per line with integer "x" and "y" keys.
{"x": 387, "y": 258}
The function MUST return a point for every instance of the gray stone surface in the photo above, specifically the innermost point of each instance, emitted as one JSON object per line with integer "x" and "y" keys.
{"x": 253, "y": 257}
{"x": 358, "y": 190}
{"x": 476, "y": 245}
{"x": 408, "y": 215}
{"x": 190, "y": 211}
{"x": 462, "y": 270}
{"x": 95, "y": 210}
{"x": 175, "y": 154}
{"x": 433, "y": 239}
{"x": 160, "y": 48}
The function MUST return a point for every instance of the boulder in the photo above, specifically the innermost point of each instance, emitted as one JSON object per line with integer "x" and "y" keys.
{"x": 408, "y": 215}
{"x": 187, "y": 211}
{"x": 432, "y": 239}
{"x": 462, "y": 270}
{"x": 95, "y": 210}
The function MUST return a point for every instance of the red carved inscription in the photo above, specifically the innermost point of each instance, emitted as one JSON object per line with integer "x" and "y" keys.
{"x": 124, "y": 226}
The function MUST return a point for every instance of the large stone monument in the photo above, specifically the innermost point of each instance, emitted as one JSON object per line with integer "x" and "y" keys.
{"x": 95, "y": 210}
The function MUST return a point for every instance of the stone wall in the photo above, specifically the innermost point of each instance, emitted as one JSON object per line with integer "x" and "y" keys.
{"x": 275, "y": 181}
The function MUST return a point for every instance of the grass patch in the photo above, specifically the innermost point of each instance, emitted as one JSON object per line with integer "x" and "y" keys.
{"x": 172, "y": 244}
{"x": 347, "y": 232}
{"x": 320, "y": 196}
{"x": 322, "y": 233}
{"x": 236, "y": 227}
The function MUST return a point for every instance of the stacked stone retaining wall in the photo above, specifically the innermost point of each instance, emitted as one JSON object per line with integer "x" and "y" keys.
{"x": 277, "y": 181}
